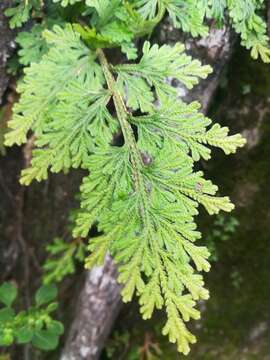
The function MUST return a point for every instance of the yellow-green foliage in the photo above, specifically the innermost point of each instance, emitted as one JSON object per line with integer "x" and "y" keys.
{"x": 143, "y": 196}
{"x": 121, "y": 19}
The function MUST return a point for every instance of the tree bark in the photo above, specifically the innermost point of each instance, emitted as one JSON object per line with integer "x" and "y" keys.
{"x": 7, "y": 45}
{"x": 98, "y": 305}
{"x": 99, "y": 301}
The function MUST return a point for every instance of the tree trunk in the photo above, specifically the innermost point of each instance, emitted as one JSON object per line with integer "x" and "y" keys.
{"x": 97, "y": 307}
{"x": 99, "y": 301}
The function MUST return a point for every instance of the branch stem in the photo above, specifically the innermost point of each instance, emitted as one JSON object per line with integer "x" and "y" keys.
{"x": 130, "y": 142}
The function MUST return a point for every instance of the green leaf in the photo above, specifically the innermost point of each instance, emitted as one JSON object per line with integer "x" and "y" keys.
{"x": 8, "y": 293}
{"x": 24, "y": 334}
{"x": 55, "y": 327}
{"x": 149, "y": 8}
{"x": 46, "y": 294}
{"x": 6, "y": 314}
{"x": 6, "y": 338}
{"x": 45, "y": 340}
{"x": 52, "y": 307}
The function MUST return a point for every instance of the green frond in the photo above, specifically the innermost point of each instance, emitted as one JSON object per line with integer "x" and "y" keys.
{"x": 186, "y": 127}
{"x": 62, "y": 259}
{"x": 150, "y": 297}
{"x": 44, "y": 81}
{"x": 185, "y": 305}
{"x": 218, "y": 136}
{"x": 136, "y": 91}
{"x": 149, "y": 9}
{"x": 69, "y": 137}
{"x": 187, "y": 15}
{"x": 159, "y": 63}
{"x": 251, "y": 27}
{"x": 176, "y": 330}
{"x": 105, "y": 10}
{"x": 98, "y": 248}
{"x": 131, "y": 276}
{"x": 199, "y": 254}
{"x": 32, "y": 45}
{"x": 141, "y": 197}
{"x": 20, "y": 13}
{"x": 108, "y": 169}
{"x": 183, "y": 13}
{"x": 42, "y": 159}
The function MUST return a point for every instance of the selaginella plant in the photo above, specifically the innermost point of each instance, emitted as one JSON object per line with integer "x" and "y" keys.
{"x": 141, "y": 195}
{"x": 192, "y": 16}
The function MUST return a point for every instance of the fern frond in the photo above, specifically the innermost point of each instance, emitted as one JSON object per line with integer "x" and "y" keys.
{"x": 61, "y": 261}
{"x": 32, "y": 45}
{"x": 141, "y": 197}
{"x": 187, "y": 15}
{"x": 44, "y": 81}
{"x": 176, "y": 330}
{"x": 21, "y": 12}
{"x": 158, "y": 63}
{"x": 186, "y": 128}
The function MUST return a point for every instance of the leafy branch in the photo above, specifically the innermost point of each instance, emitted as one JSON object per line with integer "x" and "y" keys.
{"x": 142, "y": 196}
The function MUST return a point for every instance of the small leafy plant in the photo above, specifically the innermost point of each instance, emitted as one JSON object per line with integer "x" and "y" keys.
{"x": 223, "y": 229}
{"x": 142, "y": 194}
{"x": 62, "y": 259}
{"x": 64, "y": 254}
{"x": 121, "y": 345}
{"x": 34, "y": 325}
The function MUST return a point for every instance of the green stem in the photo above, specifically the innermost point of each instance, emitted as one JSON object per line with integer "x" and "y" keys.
{"x": 135, "y": 156}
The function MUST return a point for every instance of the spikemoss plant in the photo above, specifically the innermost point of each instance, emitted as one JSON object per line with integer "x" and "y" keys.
{"x": 142, "y": 196}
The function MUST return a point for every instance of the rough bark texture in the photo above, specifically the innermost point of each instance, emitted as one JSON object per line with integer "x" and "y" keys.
{"x": 7, "y": 46}
{"x": 98, "y": 305}
{"x": 99, "y": 301}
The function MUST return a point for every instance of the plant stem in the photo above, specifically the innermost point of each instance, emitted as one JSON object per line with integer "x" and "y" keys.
{"x": 135, "y": 155}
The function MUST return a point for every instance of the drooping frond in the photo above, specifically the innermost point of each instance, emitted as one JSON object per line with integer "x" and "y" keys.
{"x": 142, "y": 196}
